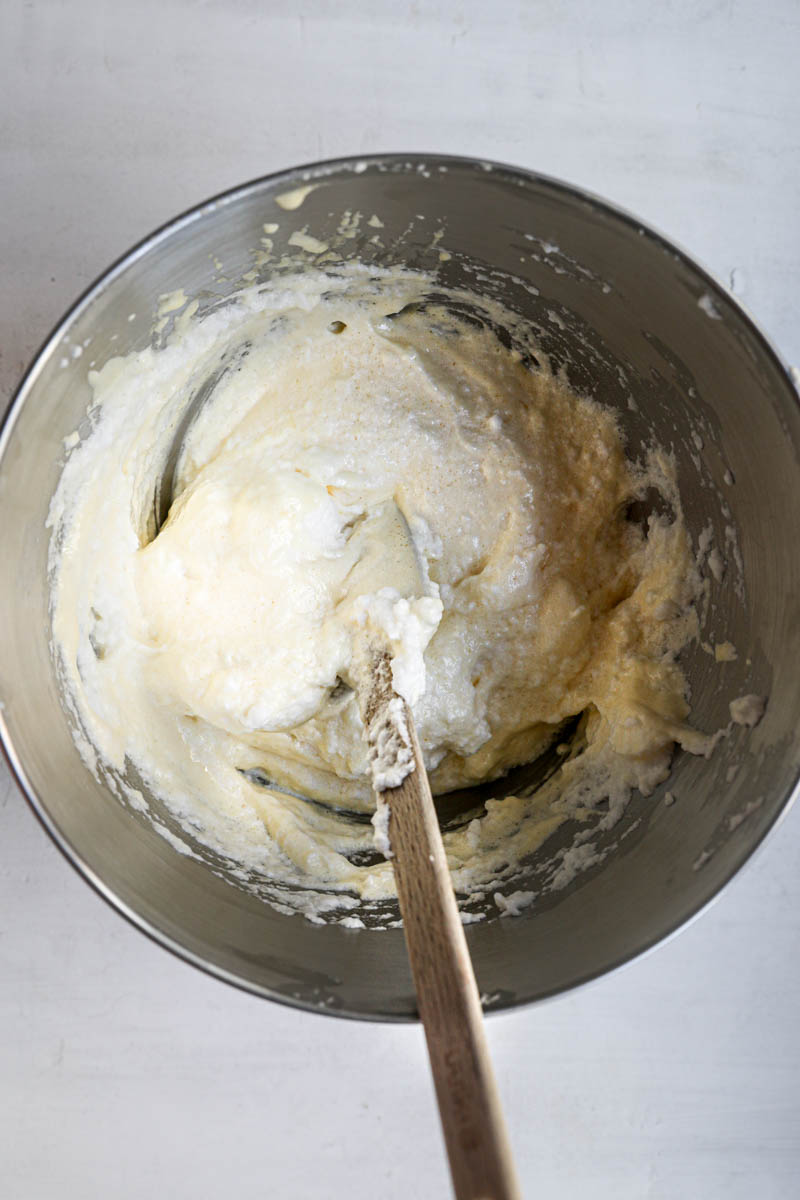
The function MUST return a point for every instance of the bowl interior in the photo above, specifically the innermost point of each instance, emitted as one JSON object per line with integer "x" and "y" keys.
{"x": 634, "y": 324}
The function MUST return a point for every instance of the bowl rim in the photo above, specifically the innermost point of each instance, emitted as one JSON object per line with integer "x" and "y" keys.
{"x": 305, "y": 173}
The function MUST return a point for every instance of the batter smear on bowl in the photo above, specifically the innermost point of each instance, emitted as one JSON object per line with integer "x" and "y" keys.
{"x": 208, "y": 662}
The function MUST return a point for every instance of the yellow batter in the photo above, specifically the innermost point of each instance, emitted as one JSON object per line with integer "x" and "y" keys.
{"x": 224, "y": 645}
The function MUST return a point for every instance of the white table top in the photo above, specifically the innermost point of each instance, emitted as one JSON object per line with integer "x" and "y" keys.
{"x": 125, "y": 1073}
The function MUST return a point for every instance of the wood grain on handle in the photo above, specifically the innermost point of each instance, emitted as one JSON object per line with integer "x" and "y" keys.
{"x": 447, "y": 995}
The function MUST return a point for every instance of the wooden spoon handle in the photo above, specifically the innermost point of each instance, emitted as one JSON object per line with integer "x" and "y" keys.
{"x": 447, "y": 995}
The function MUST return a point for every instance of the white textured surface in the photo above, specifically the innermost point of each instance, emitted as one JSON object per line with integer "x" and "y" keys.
{"x": 122, "y": 1071}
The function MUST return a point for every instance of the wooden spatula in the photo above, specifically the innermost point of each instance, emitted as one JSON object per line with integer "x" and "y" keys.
{"x": 447, "y": 995}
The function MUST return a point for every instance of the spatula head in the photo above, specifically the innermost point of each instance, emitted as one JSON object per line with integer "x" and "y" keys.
{"x": 385, "y": 555}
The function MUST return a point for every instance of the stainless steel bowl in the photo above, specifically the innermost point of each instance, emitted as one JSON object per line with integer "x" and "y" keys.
{"x": 628, "y": 315}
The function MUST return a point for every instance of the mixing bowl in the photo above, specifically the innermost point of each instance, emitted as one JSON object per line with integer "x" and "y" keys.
{"x": 634, "y": 323}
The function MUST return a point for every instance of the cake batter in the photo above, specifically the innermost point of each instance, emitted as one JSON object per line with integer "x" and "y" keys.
{"x": 211, "y": 658}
